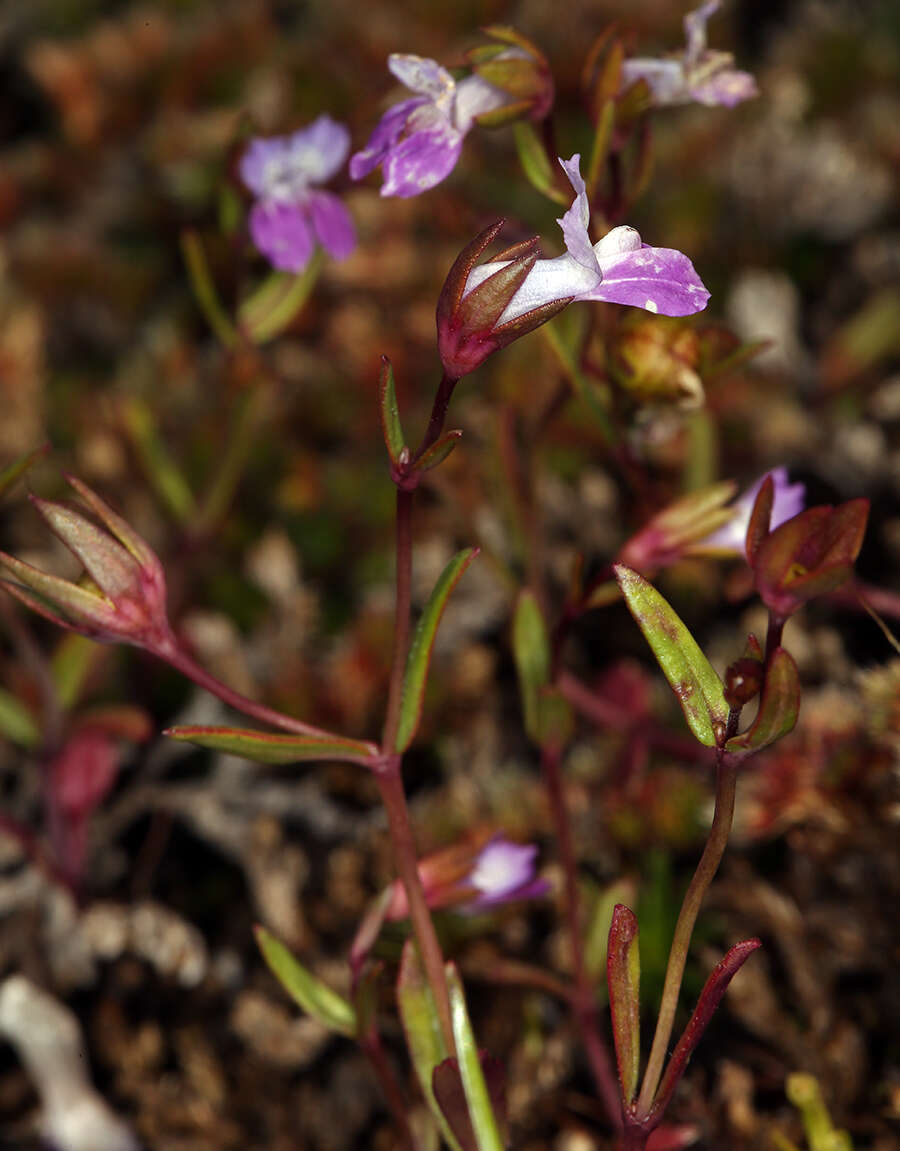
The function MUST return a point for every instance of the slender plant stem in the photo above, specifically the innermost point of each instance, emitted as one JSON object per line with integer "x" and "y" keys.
{"x": 726, "y": 781}
{"x": 393, "y": 1093}
{"x": 390, "y": 779}
{"x": 773, "y": 635}
{"x": 438, "y": 416}
{"x": 584, "y": 1001}
{"x": 178, "y": 658}
{"x": 390, "y": 784}
{"x": 401, "y": 620}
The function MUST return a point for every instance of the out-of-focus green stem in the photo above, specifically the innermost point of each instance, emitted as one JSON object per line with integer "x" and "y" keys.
{"x": 205, "y": 290}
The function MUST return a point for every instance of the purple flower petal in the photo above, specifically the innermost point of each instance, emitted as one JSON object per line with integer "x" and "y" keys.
{"x": 660, "y": 280}
{"x": 423, "y": 76}
{"x": 384, "y": 137}
{"x": 725, "y": 88}
{"x": 695, "y": 30}
{"x": 283, "y": 234}
{"x": 332, "y": 224}
{"x": 261, "y": 156}
{"x": 665, "y": 79}
{"x": 575, "y": 222}
{"x": 504, "y": 871}
{"x": 789, "y": 500}
{"x": 319, "y": 150}
{"x": 421, "y": 161}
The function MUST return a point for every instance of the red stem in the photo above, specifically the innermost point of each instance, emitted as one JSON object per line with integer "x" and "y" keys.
{"x": 371, "y": 1045}
{"x": 584, "y": 1000}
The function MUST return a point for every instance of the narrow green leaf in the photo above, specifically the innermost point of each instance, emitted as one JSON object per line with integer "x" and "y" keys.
{"x": 689, "y": 672}
{"x": 778, "y": 708}
{"x": 16, "y": 721}
{"x": 266, "y": 747}
{"x": 600, "y": 146}
{"x": 422, "y": 1028}
{"x": 623, "y": 968}
{"x": 315, "y": 997}
{"x": 423, "y": 644}
{"x": 159, "y": 467}
{"x": 531, "y": 652}
{"x": 277, "y": 301}
{"x": 390, "y": 412}
{"x": 438, "y": 451}
{"x": 19, "y": 467}
{"x": 534, "y": 161}
{"x": 484, "y": 1122}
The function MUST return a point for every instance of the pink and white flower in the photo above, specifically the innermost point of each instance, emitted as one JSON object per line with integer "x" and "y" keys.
{"x": 788, "y": 502}
{"x": 619, "y": 269}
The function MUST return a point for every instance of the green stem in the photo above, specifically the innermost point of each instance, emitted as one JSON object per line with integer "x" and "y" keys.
{"x": 726, "y": 781}
{"x": 205, "y": 290}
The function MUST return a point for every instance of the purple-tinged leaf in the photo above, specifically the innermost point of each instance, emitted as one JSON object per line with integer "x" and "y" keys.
{"x": 265, "y": 747}
{"x": 689, "y": 672}
{"x": 420, "y": 650}
{"x": 623, "y": 974}
{"x": 390, "y": 413}
{"x": 307, "y": 990}
{"x": 778, "y": 708}
{"x": 709, "y": 1000}
{"x": 760, "y": 518}
{"x": 450, "y": 1094}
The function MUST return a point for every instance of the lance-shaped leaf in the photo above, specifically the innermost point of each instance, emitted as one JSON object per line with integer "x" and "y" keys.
{"x": 438, "y": 451}
{"x": 709, "y": 1000}
{"x": 535, "y": 163}
{"x": 420, "y": 650}
{"x": 451, "y": 1096}
{"x": 390, "y": 412}
{"x": 778, "y": 707}
{"x": 760, "y": 518}
{"x": 315, "y": 997}
{"x": 689, "y": 672}
{"x": 266, "y": 747}
{"x": 623, "y": 974}
{"x": 478, "y": 1099}
{"x": 422, "y": 1029}
{"x": 531, "y": 651}
{"x": 161, "y": 470}
{"x": 19, "y": 467}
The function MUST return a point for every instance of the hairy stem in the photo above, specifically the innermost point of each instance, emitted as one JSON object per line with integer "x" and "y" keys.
{"x": 726, "y": 781}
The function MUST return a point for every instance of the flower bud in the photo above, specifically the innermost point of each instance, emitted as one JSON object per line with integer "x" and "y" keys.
{"x": 468, "y": 322}
{"x": 517, "y": 67}
{"x": 656, "y": 362}
{"x": 123, "y": 598}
